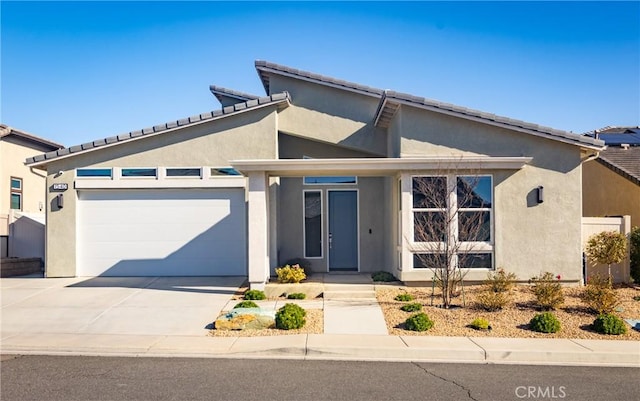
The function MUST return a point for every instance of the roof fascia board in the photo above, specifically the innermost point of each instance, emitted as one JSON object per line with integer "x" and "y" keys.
{"x": 381, "y": 106}
{"x": 31, "y": 138}
{"x": 153, "y": 134}
{"x": 377, "y": 166}
{"x": 315, "y": 81}
{"x": 434, "y": 109}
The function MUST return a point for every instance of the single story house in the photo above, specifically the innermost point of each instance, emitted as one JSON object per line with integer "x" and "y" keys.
{"x": 320, "y": 169}
{"x": 611, "y": 182}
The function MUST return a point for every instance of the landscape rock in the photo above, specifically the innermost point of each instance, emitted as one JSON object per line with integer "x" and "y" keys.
{"x": 246, "y": 319}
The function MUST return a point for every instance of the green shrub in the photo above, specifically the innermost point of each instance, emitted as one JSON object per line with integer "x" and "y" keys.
{"x": 609, "y": 324}
{"x": 290, "y": 274}
{"x": 254, "y": 295}
{"x": 419, "y": 322}
{"x": 413, "y": 307}
{"x": 405, "y": 297}
{"x": 545, "y": 323}
{"x": 290, "y": 316}
{"x": 297, "y": 295}
{"x": 382, "y": 276}
{"x": 246, "y": 304}
{"x": 599, "y": 295}
{"x": 548, "y": 291}
{"x": 634, "y": 242}
{"x": 480, "y": 324}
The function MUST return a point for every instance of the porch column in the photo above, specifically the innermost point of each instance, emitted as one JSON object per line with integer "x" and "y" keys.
{"x": 258, "y": 230}
{"x": 406, "y": 200}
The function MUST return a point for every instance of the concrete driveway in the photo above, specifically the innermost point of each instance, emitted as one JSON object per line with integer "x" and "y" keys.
{"x": 113, "y": 305}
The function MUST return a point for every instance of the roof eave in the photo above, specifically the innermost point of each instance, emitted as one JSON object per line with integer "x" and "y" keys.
{"x": 282, "y": 100}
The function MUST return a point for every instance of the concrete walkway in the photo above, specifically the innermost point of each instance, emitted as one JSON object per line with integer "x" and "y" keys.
{"x": 169, "y": 317}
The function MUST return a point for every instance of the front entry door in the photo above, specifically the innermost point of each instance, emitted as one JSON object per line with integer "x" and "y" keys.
{"x": 343, "y": 230}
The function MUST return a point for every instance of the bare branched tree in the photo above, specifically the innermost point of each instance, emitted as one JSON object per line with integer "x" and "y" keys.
{"x": 451, "y": 217}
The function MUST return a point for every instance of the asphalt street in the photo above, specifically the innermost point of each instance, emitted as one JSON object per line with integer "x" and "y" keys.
{"x": 128, "y": 378}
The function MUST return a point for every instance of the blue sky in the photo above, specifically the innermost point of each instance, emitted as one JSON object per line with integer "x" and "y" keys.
{"x": 77, "y": 71}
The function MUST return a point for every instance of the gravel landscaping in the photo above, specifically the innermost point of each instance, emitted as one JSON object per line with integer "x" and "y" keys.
{"x": 512, "y": 321}
{"x": 314, "y": 325}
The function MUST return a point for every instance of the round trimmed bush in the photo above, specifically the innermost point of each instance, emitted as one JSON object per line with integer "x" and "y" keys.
{"x": 290, "y": 317}
{"x": 480, "y": 324}
{"x": 404, "y": 297}
{"x": 246, "y": 304}
{"x": 609, "y": 324}
{"x": 545, "y": 322}
{"x": 419, "y": 322}
{"x": 412, "y": 307}
{"x": 254, "y": 295}
{"x": 297, "y": 295}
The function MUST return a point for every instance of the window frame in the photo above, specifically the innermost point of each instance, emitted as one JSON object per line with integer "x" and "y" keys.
{"x": 139, "y": 177}
{"x": 467, "y": 247}
{"x": 304, "y": 223}
{"x": 99, "y": 177}
{"x": 172, "y": 177}
{"x": 17, "y": 192}
{"x": 304, "y": 178}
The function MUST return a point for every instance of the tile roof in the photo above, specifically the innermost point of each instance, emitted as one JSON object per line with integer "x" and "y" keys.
{"x": 265, "y": 68}
{"x": 219, "y": 92}
{"x": 277, "y": 98}
{"x": 391, "y": 100}
{"x": 624, "y": 161}
{"x": 5, "y": 130}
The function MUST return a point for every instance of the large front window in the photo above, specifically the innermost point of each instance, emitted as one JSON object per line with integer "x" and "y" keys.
{"x": 452, "y": 215}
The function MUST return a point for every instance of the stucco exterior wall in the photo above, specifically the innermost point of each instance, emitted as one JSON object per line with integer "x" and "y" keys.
{"x": 330, "y": 115}
{"x": 12, "y": 156}
{"x": 250, "y": 135}
{"x": 529, "y": 237}
{"x": 607, "y": 193}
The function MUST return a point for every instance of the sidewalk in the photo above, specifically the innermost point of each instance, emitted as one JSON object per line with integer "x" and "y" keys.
{"x": 337, "y": 347}
{"x": 165, "y": 317}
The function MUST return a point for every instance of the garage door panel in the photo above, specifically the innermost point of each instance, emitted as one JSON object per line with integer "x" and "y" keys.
{"x": 161, "y": 232}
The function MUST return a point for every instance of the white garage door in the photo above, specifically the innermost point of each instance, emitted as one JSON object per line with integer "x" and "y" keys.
{"x": 161, "y": 233}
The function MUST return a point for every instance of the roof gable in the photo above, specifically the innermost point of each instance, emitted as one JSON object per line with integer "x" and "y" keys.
{"x": 228, "y": 97}
{"x": 280, "y": 99}
{"x": 390, "y": 101}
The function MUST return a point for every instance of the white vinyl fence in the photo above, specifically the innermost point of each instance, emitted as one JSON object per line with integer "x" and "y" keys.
{"x": 593, "y": 225}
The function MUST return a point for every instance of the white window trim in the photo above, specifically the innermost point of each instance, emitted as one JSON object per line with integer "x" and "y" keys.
{"x": 304, "y": 226}
{"x": 111, "y": 177}
{"x": 182, "y": 177}
{"x": 16, "y": 191}
{"x": 467, "y": 246}
{"x": 158, "y": 171}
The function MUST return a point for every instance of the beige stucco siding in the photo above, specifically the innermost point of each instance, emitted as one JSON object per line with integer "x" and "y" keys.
{"x": 330, "y": 115}
{"x": 13, "y": 154}
{"x": 529, "y": 237}
{"x": 607, "y": 193}
{"x": 250, "y": 135}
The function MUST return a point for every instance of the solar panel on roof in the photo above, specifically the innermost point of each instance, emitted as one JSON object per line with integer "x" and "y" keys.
{"x": 618, "y": 139}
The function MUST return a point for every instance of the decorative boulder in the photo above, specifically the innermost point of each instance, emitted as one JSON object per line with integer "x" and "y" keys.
{"x": 246, "y": 319}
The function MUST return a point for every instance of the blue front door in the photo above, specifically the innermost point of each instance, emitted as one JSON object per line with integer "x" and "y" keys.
{"x": 343, "y": 230}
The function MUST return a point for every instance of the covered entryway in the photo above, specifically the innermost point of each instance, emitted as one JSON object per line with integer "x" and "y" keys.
{"x": 182, "y": 232}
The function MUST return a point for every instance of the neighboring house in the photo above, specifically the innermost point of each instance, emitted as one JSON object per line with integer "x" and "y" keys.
{"x": 22, "y": 188}
{"x": 321, "y": 169}
{"x": 611, "y": 182}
